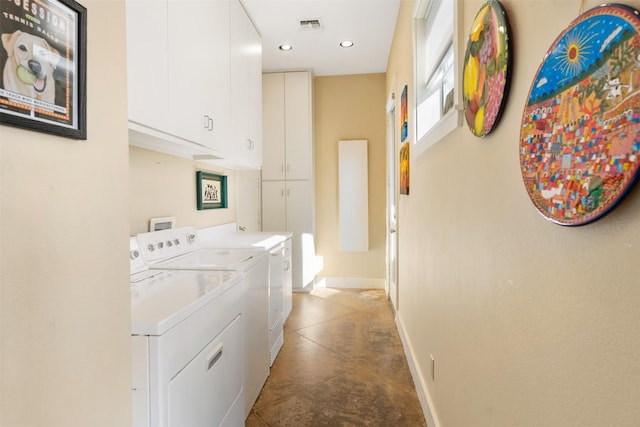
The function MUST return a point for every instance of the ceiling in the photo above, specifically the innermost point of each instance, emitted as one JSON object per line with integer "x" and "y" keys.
{"x": 369, "y": 24}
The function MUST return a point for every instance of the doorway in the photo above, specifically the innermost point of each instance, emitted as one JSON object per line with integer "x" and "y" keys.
{"x": 392, "y": 236}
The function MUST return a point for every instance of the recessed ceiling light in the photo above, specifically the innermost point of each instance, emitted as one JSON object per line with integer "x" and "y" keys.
{"x": 285, "y": 47}
{"x": 346, "y": 43}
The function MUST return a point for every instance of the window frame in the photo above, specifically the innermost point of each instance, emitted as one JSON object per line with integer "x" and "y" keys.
{"x": 452, "y": 119}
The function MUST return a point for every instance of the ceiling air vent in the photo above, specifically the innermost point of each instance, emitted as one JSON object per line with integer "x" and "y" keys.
{"x": 310, "y": 24}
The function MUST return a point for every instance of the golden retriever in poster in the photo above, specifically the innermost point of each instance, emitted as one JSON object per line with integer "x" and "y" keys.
{"x": 29, "y": 67}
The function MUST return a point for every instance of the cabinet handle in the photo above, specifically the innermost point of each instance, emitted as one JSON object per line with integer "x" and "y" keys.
{"x": 249, "y": 144}
{"x": 281, "y": 168}
{"x": 214, "y": 356}
{"x": 208, "y": 122}
{"x": 288, "y": 192}
{"x": 282, "y": 192}
{"x": 288, "y": 168}
{"x": 287, "y": 265}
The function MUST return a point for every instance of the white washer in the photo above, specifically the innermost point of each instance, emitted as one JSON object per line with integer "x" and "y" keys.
{"x": 186, "y": 331}
{"x": 180, "y": 249}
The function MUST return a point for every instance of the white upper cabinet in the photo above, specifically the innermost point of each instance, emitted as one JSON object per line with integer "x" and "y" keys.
{"x": 287, "y": 122}
{"x": 246, "y": 86}
{"x": 199, "y": 74}
{"x": 147, "y": 63}
{"x": 297, "y": 105}
{"x": 183, "y": 100}
{"x": 273, "y": 126}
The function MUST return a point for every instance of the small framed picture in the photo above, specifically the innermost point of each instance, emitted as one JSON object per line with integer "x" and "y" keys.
{"x": 404, "y": 168}
{"x": 43, "y": 61}
{"x": 212, "y": 190}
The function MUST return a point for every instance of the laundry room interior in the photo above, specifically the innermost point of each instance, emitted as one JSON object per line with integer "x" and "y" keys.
{"x": 365, "y": 271}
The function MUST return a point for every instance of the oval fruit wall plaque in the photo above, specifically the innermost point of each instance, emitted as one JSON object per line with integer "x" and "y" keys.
{"x": 487, "y": 68}
{"x": 580, "y": 134}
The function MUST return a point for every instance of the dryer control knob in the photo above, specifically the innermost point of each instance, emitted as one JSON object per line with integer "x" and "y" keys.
{"x": 151, "y": 248}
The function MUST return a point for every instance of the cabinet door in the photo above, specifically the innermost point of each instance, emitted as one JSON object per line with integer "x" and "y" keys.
{"x": 300, "y": 212}
{"x": 248, "y": 197}
{"x": 199, "y": 71}
{"x": 147, "y": 63}
{"x": 273, "y": 126}
{"x": 298, "y": 125}
{"x": 273, "y": 206}
{"x": 255, "y": 92}
{"x": 246, "y": 87}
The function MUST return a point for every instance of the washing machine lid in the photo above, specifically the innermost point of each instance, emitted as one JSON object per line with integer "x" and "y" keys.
{"x": 259, "y": 240}
{"x": 210, "y": 259}
{"x": 162, "y": 301}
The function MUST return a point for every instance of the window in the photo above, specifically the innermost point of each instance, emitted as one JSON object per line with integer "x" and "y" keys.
{"x": 438, "y": 104}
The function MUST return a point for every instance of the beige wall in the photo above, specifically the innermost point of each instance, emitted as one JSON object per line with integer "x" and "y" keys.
{"x": 65, "y": 322}
{"x": 349, "y": 107}
{"x": 530, "y": 323}
{"x": 161, "y": 185}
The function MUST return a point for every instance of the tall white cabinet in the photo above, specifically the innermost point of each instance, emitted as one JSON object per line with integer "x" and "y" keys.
{"x": 181, "y": 86}
{"x": 288, "y": 189}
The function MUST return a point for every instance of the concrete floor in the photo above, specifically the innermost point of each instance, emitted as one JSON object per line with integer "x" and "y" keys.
{"x": 342, "y": 364}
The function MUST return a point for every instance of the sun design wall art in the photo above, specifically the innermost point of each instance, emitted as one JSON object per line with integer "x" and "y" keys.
{"x": 487, "y": 66}
{"x": 580, "y": 133}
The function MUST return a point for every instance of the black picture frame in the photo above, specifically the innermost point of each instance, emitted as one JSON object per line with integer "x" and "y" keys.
{"x": 46, "y": 93}
{"x": 211, "y": 190}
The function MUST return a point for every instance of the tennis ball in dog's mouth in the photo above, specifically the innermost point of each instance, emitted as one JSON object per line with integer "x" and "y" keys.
{"x": 26, "y": 76}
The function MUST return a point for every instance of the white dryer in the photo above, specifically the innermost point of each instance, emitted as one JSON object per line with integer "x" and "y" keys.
{"x": 278, "y": 245}
{"x": 160, "y": 250}
{"x": 186, "y": 332}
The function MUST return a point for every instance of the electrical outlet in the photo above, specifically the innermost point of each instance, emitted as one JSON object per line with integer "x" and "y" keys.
{"x": 433, "y": 367}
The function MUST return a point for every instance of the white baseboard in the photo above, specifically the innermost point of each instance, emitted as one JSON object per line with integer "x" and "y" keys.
{"x": 418, "y": 379}
{"x": 349, "y": 282}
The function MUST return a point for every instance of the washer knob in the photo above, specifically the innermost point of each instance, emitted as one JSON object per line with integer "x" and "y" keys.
{"x": 134, "y": 254}
{"x": 150, "y": 247}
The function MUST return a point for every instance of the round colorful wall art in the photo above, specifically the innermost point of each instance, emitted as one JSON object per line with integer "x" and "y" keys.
{"x": 487, "y": 65}
{"x": 580, "y": 135}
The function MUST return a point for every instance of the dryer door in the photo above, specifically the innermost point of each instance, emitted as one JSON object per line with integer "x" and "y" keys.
{"x": 205, "y": 390}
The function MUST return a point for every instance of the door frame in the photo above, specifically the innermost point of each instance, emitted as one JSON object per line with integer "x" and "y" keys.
{"x": 391, "y": 286}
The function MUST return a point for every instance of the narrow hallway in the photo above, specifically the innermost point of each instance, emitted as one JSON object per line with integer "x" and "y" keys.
{"x": 342, "y": 364}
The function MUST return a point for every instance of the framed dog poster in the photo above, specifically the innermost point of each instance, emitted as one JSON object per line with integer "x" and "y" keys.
{"x": 43, "y": 62}
{"x": 212, "y": 190}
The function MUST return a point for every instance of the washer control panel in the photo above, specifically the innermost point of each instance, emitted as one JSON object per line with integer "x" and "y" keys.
{"x": 164, "y": 244}
{"x": 136, "y": 263}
